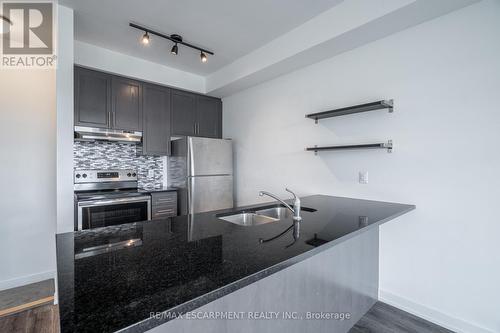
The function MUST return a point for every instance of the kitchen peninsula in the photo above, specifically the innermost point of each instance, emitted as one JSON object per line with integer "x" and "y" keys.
{"x": 144, "y": 276}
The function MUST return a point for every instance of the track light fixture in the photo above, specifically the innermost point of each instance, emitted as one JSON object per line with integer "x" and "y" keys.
{"x": 145, "y": 38}
{"x": 177, "y": 39}
{"x": 174, "y": 49}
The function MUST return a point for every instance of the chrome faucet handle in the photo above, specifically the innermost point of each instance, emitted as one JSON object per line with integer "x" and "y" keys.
{"x": 290, "y": 191}
{"x": 296, "y": 205}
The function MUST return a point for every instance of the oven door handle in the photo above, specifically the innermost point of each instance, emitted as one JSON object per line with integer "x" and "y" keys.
{"x": 113, "y": 201}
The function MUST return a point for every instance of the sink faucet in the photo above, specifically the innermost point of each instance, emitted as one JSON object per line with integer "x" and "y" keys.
{"x": 296, "y": 203}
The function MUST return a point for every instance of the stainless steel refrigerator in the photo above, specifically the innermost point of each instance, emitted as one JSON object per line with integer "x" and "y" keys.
{"x": 202, "y": 169}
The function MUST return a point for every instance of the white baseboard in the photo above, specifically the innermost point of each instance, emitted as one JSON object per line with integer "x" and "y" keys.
{"x": 24, "y": 280}
{"x": 430, "y": 314}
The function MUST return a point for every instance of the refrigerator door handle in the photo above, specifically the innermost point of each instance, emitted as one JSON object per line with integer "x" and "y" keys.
{"x": 191, "y": 188}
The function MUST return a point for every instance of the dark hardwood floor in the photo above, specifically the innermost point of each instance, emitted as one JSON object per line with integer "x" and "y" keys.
{"x": 383, "y": 318}
{"x": 42, "y": 319}
{"x": 26, "y": 297}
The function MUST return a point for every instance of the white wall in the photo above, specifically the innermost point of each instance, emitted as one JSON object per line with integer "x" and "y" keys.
{"x": 440, "y": 261}
{"x": 99, "y": 58}
{"x": 28, "y": 176}
{"x": 65, "y": 105}
{"x": 36, "y": 130}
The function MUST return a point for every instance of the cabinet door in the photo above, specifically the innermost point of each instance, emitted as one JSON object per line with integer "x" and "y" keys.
{"x": 156, "y": 120}
{"x": 209, "y": 117}
{"x": 183, "y": 113}
{"x": 127, "y": 104}
{"x": 92, "y": 98}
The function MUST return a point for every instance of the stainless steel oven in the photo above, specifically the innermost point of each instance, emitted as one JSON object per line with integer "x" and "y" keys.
{"x": 109, "y": 197}
{"x": 104, "y": 213}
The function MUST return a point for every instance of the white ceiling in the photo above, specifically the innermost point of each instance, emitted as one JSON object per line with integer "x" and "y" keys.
{"x": 348, "y": 25}
{"x": 230, "y": 28}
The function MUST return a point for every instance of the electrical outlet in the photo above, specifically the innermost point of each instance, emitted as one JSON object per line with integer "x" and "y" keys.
{"x": 363, "y": 177}
{"x": 151, "y": 173}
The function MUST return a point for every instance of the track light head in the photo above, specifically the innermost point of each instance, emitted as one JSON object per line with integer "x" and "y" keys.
{"x": 203, "y": 57}
{"x": 145, "y": 38}
{"x": 174, "y": 49}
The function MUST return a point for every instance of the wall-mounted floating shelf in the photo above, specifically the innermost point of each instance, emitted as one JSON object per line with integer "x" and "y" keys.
{"x": 380, "y": 145}
{"x": 384, "y": 104}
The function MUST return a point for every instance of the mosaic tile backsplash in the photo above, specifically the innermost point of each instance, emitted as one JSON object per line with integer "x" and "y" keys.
{"x": 113, "y": 155}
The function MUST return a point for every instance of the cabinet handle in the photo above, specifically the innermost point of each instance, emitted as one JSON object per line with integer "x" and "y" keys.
{"x": 165, "y": 200}
{"x": 109, "y": 119}
{"x": 159, "y": 215}
{"x": 164, "y": 212}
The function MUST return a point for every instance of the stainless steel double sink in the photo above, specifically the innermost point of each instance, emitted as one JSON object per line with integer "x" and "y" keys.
{"x": 260, "y": 215}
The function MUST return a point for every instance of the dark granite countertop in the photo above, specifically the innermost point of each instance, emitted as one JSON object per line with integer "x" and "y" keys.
{"x": 179, "y": 264}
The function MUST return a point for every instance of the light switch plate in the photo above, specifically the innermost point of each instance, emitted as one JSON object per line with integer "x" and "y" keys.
{"x": 363, "y": 177}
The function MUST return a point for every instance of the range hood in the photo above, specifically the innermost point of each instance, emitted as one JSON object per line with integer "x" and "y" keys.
{"x": 91, "y": 134}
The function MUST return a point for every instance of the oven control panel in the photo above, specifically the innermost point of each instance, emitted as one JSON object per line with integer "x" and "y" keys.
{"x": 104, "y": 176}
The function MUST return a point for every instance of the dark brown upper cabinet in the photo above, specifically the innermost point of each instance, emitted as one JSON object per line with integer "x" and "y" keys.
{"x": 196, "y": 115}
{"x": 92, "y": 98}
{"x": 156, "y": 120}
{"x": 107, "y": 101}
{"x": 110, "y": 101}
{"x": 209, "y": 117}
{"x": 126, "y": 104}
{"x": 183, "y": 113}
